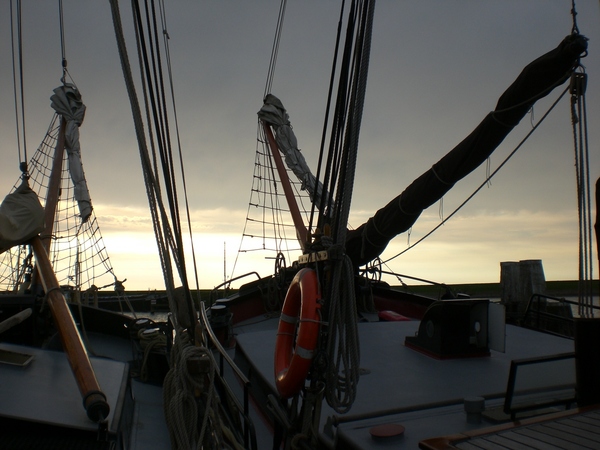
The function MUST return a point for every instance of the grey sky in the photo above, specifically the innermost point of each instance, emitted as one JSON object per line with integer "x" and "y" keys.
{"x": 437, "y": 68}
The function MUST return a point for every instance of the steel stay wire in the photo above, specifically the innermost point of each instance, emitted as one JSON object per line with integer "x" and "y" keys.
{"x": 584, "y": 208}
{"x": 152, "y": 68}
{"x": 21, "y": 132}
{"x": 183, "y": 179}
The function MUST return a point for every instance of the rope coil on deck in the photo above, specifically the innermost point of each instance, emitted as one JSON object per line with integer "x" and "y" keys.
{"x": 188, "y": 395}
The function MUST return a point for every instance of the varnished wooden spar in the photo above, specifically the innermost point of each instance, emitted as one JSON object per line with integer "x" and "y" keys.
{"x": 301, "y": 231}
{"x": 53, "y": 193}
{"x": 94, "y": 400}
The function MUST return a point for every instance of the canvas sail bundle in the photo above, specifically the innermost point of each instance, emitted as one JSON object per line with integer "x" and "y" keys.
{"x": 66, "y": 101}
{"x": 535, "y": 81}
{"x": 273, "y": 113}
{"x": 21, "y": 217}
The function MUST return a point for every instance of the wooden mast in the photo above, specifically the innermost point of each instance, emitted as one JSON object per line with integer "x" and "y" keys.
{"x": 301, "y": 231}
{"x": 94, "y": 400}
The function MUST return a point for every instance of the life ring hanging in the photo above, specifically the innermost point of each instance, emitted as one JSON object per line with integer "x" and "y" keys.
{"x": 292, "y": 364}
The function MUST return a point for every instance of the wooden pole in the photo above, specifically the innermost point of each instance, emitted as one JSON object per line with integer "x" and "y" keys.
{"x": 94, "y": 400}
{"x": 14, "y": 320}
{"x": 52, "y": 194}
{"x": 301, "y": 231}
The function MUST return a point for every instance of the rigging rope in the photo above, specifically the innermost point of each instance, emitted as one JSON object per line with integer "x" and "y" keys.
{"x": 78, "y": 266}
{"x": 574, "y": 29}
{"x": 156, "y": 205}
{"x": 192, "y": 405}
{"x": 266, "y": 227}
{"x": 584, "y": 192}
{"x": 342, "y": 345}
{"x": 275, "y": 49}
{"x": 19, "y": 87}
{"x": 585, "y": 230}
{"x": 183, "y": 179}
{"x": 63, "y": 48}
{"x": 62, "y": 40}
{"x": 266, "y": 193}
{"x": 167, "y": 227}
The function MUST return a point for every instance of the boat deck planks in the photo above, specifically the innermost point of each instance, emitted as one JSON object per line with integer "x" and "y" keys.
{"x": 403, "y": 386}
{"x": 568, "y": 430}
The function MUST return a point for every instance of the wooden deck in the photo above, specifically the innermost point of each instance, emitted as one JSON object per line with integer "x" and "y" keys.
{"x": 402, "y": 386}
{"x": 573, "y": 429}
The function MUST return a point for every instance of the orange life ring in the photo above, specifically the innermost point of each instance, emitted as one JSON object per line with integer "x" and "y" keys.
{"x": 292, "y": 364}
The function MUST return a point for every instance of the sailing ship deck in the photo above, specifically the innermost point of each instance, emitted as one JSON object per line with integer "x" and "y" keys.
{"x": 578, "y": 429}
{"x": 41, "y": 398}
{"x": 403, "y": 386}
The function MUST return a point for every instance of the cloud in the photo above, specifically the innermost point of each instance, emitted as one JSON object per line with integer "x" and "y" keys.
{"x": 430, "y": 83}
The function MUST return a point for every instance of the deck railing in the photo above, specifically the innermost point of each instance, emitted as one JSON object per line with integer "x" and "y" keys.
{"x": 248, "y": 428}
{"x": 227, "y": 284}
{"x": 558, "y": 319}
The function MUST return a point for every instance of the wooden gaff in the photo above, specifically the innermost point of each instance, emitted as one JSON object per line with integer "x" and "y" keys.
{"x": 301, "y": 231}
{"x": 94, "y": 400}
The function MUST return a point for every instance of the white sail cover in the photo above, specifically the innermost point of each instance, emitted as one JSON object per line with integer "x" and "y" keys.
{"x": 273, "y": 113}
{"x": 66, "y": 101}
{"x": 21, "y": 217}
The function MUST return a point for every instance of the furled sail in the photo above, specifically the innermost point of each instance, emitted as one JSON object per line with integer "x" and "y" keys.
{"x": 79, "y": 257}
{"x": 273, "y": 113}
{"x": 66, "y": 101}
{"x": 535, "y": 81}
{"x": 21, "y": 217}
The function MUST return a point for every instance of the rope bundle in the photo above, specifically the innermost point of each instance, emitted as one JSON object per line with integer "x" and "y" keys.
{"x": 190, "y": 397}
{"x": 343, "y": 350}
{"x": 150, "y": 340}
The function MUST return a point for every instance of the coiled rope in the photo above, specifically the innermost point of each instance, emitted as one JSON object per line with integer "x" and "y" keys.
{"x": 150, "y": 340}
{"x": 343, "y": 348}
{"x": 183, "y": 408}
